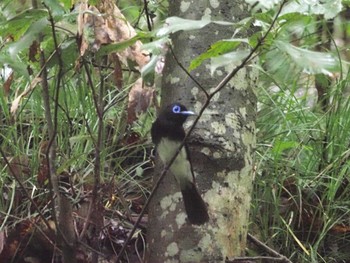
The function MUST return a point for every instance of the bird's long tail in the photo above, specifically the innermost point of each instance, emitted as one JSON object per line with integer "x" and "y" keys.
{"x": 195, "y": 206}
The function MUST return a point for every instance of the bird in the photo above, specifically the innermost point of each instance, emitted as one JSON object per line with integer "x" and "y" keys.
{"x": 167, "y": 134}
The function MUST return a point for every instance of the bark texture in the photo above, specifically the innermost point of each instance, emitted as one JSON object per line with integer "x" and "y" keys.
{"x": 221, "y": 146}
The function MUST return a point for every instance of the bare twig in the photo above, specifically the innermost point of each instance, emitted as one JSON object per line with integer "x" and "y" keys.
{"x": 188, "y": 73}
{"x": 98, "y": 144}
{"x": 49, "y": 156}
{"x": 258, "y": 258}
{"x": 97, "y": 167}
{"x": 268, "y": 249}
{"x": 65, "y": 225}
{"x": 148, "y": 15}
{"x": 94, "y": 95}
{"x": 90, "y": 208}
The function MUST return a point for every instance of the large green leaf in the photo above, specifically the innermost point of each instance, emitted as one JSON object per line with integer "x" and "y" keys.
{"x": 263, "y": 4}
{"x": 69, "y": 3}
{"x": 328, "y": 8}
{"x": 174, "y": 24}
{"x": 30, "y": 35}
{"x": 231, "y": 58}
{"x": 156, "y": 48}
{"x": 149, "y": 67}
{"x": 55, "y": 7}
{"x": 17, "y": 25}
{"x": 311, "y": 62}
{"x": 217, "y": 49}
{"x": 116, "y": 47}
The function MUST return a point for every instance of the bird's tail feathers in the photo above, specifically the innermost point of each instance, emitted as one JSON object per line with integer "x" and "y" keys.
{"x": 195, "y": 206}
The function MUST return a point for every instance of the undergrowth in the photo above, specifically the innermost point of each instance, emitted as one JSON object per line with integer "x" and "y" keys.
{"x": 301, "y": 197}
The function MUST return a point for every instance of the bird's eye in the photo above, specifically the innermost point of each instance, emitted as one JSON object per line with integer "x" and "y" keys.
{"x": 176, "y": 109}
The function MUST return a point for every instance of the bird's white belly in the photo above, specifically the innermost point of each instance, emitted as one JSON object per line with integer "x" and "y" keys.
{"x": 181, "y": 167}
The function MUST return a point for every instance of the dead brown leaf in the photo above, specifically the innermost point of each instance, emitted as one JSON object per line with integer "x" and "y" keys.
{"x": 82, "y": 7}
{"x": 140, "y": 98}
{"x": 119, "y": 29}
{"x": 110, "y": 26}
{"x": 7, "y": 84}
{"x": 34, "y": 51}
{"x": 118, "y": 71}
{"x": 98, "y": 22}
{"x": 17, "y": 100}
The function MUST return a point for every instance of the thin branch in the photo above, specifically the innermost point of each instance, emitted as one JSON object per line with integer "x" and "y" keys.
{"x": 268, "y": 249}
{"x": 91, "y": 85}
{"x": 258, "y": 258}
{"x": 89, "y": 213}
{"x": 188, "y": 73}
{"x": 53, "y": 189}
{"x": 148, "y": 16}
{"x": 97, "y": 166}
{"x": 65, "y": 235}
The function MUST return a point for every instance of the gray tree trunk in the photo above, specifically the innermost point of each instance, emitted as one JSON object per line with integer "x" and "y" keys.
{"x": 221, "y": 146}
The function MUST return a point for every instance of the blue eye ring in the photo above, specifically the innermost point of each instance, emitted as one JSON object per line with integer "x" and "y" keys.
{"x": 176, "y": 109}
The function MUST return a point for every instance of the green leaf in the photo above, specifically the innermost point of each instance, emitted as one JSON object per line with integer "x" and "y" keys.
{"x": 93, "y": 2}
{"x": 106, "y": 49}
{"x": 55, "y": 7}
{"x": 280, "y": 146}
{"x": 263, "y": 4}
{"x": 255, "y": 38}
{"x": 328, "y": 8}
{"x": 149, "y": 67}
{"x": 30, "y": 35}
{"x": 174, "y": 24}
{"x": 311, "y": 62}
{"x": 219, "y": 48}
{"x": 232, "y": 58}
{"x": 67, "y": 3}
{"x": 69, "y": 53}
{"x": 20, "y": 23}
{"x": 156, "y": 48}
{"x": 265, "y": 18}
{"x": 116, "y": 47}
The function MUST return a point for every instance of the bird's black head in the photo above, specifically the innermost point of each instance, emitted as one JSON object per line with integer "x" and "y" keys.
{"x": 175, "y": 113}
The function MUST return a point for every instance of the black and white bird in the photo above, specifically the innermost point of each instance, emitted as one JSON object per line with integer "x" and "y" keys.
{"x": 167, "y": 135}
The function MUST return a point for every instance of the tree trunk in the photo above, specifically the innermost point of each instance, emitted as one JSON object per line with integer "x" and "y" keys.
{"x": 221, "y": 146}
